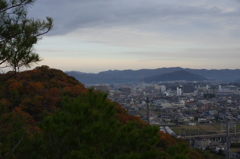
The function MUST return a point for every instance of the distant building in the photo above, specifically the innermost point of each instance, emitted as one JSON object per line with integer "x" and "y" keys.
{"x": 213, "y": 90}
{"x": 117, "y": 94}
{"x": 126, "y": 90}
{"x": 187, "y": 88}
{"x": 201, "y": 143}
{"x": 207, "y": 87}
{"x": 220, "y": 88}
{"x": 179, "y": 104}
{"x": 213, "y": 112}
{"x": 163, "y": 88}
{"x": 149, "y": 89}
{"x": 103, "y": 88}
{"x": 192, "y": 124}
{"x": 202, "y": 120}
{"x": 179, "y": 91}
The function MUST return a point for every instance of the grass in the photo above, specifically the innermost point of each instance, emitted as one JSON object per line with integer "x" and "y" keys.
{"x": 218, "y": 126}
{"x": 235, "y": 149}
{"x": 183, "y": 129}
{"x": 199, "y": 129}
{"x": 210, "y": 128}
{"x": 142, "y": 111}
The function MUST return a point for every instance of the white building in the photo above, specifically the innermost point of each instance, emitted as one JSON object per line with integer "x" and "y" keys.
{"x": 192, "y": 124}
{"x": 163, "y": 88}
{"x": 179, "y": 91}
{"x": 201, "y": 143}
{"x": 220, "y": 88}
{"x": 207, "y": 87}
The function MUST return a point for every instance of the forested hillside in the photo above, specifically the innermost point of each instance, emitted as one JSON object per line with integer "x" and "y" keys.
{"x": 47, "y": 114}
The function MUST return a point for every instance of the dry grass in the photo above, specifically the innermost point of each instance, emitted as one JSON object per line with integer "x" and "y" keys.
{"x": 235, "y": 149}
{"x": 209, "y": 128}
{"x": 218, "y": 126}
{"x": 181, "y": 129}
{"x": 184, "y": 129}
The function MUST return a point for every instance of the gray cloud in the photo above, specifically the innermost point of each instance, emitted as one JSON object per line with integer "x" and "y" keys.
{"x": 200, "y": 54}
{"x": 173, "y": 16}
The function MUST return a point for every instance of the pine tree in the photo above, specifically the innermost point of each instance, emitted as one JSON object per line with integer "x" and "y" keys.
{"x": 18, "y": 139}
{"x": 87, "y": 127}
{"x": 18, "y": 34}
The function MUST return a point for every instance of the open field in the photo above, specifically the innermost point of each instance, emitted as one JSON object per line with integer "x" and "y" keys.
{"x": 235, "y": 149}
{"x": 199, "y": 129}
{"x": 210, "y": 128}
{"x": 184, "y": 129}
{"x": 218, "y": 126}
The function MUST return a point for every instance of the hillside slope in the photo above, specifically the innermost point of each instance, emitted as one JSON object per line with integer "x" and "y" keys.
{"x": 38, "y": 92}
{"x": 47, "y": 114}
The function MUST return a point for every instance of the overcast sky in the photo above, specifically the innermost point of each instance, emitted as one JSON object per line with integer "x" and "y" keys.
{"x": 99, "y": 35}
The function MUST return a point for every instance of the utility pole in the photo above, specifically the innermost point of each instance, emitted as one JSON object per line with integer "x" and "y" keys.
{"x": 147, "y": 101}
{"x": 227, "y": 135}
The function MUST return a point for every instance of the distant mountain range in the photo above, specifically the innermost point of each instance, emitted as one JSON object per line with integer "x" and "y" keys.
{"x": 125, "y": 76}
{"x": 173, "y": 76}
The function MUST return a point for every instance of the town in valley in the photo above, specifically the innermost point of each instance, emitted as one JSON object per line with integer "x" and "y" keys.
{"x": 206, "y": 113}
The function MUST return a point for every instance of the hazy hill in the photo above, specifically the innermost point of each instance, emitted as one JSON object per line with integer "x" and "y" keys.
{"x": 119, "y": 76}
{"x": 221, "y": 75}
{"x": 124, "y": 76}
{"x": 102, "y": 77}
{"x": 174, "y": 76}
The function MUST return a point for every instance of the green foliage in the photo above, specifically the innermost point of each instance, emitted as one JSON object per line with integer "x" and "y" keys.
{"x": 84, "y": 153}
{"x": 87, "y": 127}
{"x": 17, "y": 139}
{"x": 18, "y": 34}
{"x": 87, "y": 120}
{"x": 178, "y": 151}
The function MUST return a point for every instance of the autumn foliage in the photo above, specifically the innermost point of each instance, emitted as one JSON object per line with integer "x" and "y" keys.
{"x": 38, "y": 92}
{"x": 124, "y": 117}
{"x": 166, "y": 140}
{"x": 31, "y": 96}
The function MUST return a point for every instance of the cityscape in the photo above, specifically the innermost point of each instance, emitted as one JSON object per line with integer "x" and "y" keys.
{"x": 119, "y": 79}
{"x": 192, "y": 110}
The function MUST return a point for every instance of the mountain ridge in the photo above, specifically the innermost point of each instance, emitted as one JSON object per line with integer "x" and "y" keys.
{"x": 174, "y": 76}
{"x": 125, "y": 76}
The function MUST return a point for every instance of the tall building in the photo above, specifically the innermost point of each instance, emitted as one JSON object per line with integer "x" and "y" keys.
{"x": 163, "y": 88}
{"x": 207, "y": 87}
{"x": 179, "y": 91}
{"x": 220, "y": 88}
